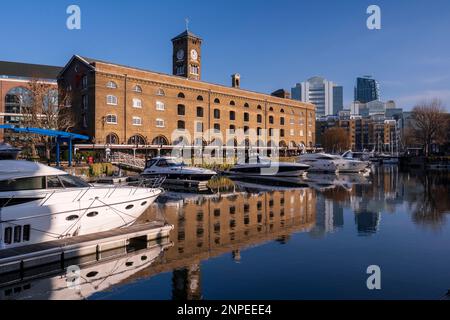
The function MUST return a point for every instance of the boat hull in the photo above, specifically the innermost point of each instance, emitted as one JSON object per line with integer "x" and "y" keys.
{"x": 52, "y": 219}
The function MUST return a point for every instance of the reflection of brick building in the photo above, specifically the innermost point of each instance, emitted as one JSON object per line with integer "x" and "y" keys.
{"x": 14, "y": 80}
{"x": 220, "y": 223}
{"x": 125, "y": 105}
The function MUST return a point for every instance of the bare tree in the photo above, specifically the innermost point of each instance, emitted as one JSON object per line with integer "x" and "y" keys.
{"x": 430, "y": 124}
{"x": 45, "y": 108}
{"x": 336, "y": 140}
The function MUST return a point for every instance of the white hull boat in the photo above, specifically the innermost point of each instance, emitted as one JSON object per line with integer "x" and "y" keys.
{"x": 40, "y": 204}
{"x": 171, "y": 168}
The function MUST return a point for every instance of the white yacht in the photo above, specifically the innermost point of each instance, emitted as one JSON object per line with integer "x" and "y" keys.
{"x": 352, "y": 164}
{"x": 323, "y": 162}
{"x": 171, "y": 168}
{"x": 264, "y": 167}
{"x": 39, "y": 204}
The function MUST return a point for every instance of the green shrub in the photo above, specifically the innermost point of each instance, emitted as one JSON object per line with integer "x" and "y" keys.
{"x": 221, "y": 184}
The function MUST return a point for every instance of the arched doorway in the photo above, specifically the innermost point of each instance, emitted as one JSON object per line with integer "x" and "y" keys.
{"x": 137, "y": 140}
{"x": 112, "y": 138}
{"x": 160, "y": 141}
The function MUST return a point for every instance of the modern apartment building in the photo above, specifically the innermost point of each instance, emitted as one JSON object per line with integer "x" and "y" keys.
{"x": 365, "y": 133}
{"x": 325, "y": 95}
{"x": 367, "y": 90}
{"x": 14, "y": 89}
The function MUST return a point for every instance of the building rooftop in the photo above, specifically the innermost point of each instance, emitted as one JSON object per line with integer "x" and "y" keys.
{"x": 92, "y": 62}
{"x": 185, "y": 34}
{"x": 26, "y": 70}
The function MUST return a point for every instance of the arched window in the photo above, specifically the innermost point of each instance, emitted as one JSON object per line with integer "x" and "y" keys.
{"x": 112, "y": 138}
{"x": 111, "y": 85}
{"x": 216, "y": 101}
{"x": 160, "y": 141}
{"x": 232, "y": 103}
{"x": 111, "y": 119}
{"x": 112, "y": 100}
{"x": 160, "y": 93}
{"x": 199, "y": 98}
{"x": 282, "y": 110}
{"x": 17, "y": 99}
{"x": 271, "y": 109}
{"x": 137, "y": 89}
{"x": 137, "y": 140}
{"x": 259, "y": 131}
{"x": 259, "y": 107}
{"x": 181, "y": 125}
{"x": 181, "y": 95}
{"x": 246, "y": 105}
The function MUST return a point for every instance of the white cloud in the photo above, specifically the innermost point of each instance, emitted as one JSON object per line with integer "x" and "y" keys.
{"x": 410, "y": 101}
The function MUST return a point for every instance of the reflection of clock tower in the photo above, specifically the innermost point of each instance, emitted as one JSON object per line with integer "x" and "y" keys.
{"x": 187, "y": 55}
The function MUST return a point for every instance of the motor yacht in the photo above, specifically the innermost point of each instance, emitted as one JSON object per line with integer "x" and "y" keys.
{"x": 39, "y": 204}
{"x": 263, "y": 167}
{"x": 171, "y": 168}
{"x": 321, "y": 162}
{"x": 352, "y": 164}
{"x": 328, "y": 163}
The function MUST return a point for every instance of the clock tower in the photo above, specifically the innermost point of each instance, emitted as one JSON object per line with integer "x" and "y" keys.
{"x": 187, "y": 55}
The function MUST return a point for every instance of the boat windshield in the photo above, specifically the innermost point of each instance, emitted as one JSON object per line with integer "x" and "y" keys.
{"x": 42, "y": 183}
{"x": 172, "y": 163}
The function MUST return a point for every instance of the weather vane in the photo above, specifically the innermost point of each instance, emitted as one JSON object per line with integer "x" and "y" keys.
{"x": 187, "y": 24}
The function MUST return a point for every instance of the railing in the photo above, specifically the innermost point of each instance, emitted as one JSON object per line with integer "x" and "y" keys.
{"x": 127, "y": 160}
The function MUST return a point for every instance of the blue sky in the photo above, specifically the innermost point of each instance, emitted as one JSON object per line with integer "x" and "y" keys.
{"x": 272, "y": 44}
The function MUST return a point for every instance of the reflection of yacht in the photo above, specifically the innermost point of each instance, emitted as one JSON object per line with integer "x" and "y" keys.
{"x": 86, "y": 281}
{"x": 264, "y": 167}
{"x": 172, "y": 169}
{"x": 7, "y": 152}
{"x": 329, "y": 181}
{"x": 40, "y": 204}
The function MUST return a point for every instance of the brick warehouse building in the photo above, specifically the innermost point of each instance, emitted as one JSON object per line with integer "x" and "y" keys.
{"x": 14, "y": 84}
{"x": 125, "y": 106}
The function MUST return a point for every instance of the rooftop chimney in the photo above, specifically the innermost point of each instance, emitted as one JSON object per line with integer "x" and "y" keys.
{"x": 236, "y": 80}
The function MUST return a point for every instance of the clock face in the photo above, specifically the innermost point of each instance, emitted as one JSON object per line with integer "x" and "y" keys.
{"x": 180, "y": 54}
{"x": 194, "y": 55}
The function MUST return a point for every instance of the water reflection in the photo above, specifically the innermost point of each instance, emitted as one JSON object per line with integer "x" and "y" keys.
{"x": 212, "y": 226}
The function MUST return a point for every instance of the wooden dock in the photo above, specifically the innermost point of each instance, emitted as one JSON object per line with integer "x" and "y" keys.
{"x": 100, "y": 244}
